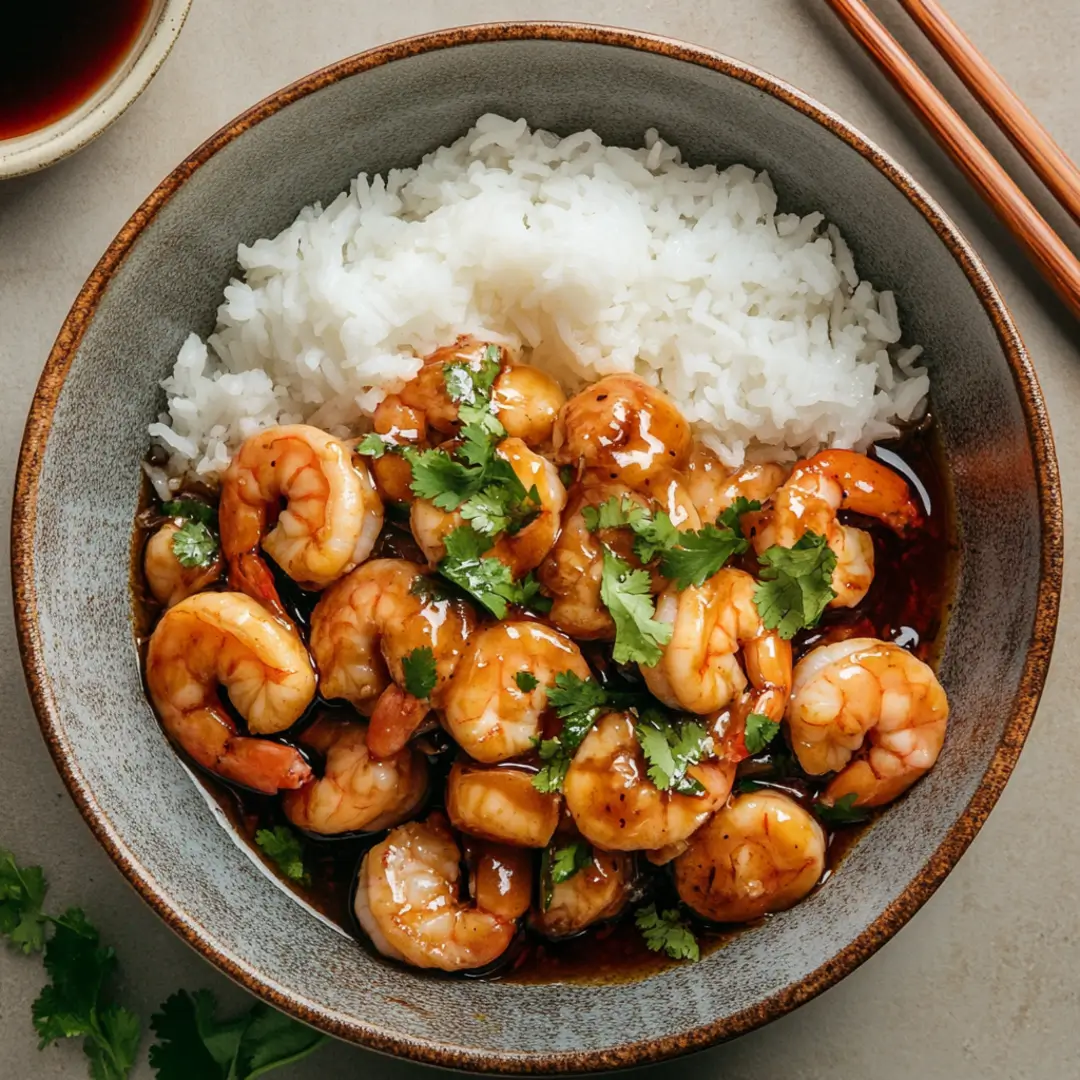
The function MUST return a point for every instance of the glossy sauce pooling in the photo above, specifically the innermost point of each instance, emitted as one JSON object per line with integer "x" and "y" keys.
{"x": 55, "y": 53}
{"x": 907, "y": 604}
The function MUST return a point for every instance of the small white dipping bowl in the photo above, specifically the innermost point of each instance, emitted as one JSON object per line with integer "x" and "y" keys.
{"x": 41, "y": 148}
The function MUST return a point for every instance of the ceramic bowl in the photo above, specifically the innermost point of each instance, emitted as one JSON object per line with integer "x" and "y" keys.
{"x": 78, "y": 485}
{"x": 84, "y": 123}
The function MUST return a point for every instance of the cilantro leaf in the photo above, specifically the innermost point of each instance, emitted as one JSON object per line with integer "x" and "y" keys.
{"x": 480, "y": 422}
{"x": 192, "y": 1042}
{"x": 732, "y": 516}
{"x": 22, "y": 892}
{"x": 190, "y": 510}
{"x": 440, "y": 479}
{"x": 488, "y": 580}
{"x": 701, "y": 554}
{"x": 614, "y": 513}
{"x": 112, "y": 1055}
{"x": 627, "y": 595}
{"x": 373, "y": 445}
{"x": 842, "y": 812}
{"x": 470, "y": 380}
{"x": 526, "y": 681}
{"x": 796, "y": 584}
{"x": 655, "y": 536}
{"x": 760, "y": 731}
{"x": 567, "y": 861}
{"x": 578, "y": 703}
{"x": 419, "y": 671}
{"x": 194, "y": 544}
{"x": 667, "y": 932}
{"x": 670, "y": 749}
{"x": 746, "y": 786}
{"x": 552, "y": 773}
{"x": 282, "y": 845}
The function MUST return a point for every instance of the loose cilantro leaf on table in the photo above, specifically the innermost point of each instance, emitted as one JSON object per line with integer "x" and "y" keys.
{"x": 73, "y": 1005}
{"x": 666, "y": 931}
{"x": 526, "y": 681}
{"x": 190, "y": 510}
{"x": 282, "y": 845}
{"x": 627, "y": 595}
{"x": 22, "y": 892}
{"x": 192, "y": 1042}
{"x": 194, "y": 544}
{"x": 489, "y": 581}
{"x": 373, "y": 445}
{"x": 796, "y": 584}
{"x": 419, "y": 671}
{"x": 842, "y": 812}
{"x": 760, "y": 731}
{"x": 670, "y": 748}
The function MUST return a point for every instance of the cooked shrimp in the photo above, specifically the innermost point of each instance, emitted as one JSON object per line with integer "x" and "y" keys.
{"x": 714, "y": 487}
{"x": 699, "y": 670}
{"x": 761, "y": 853}
{"x": 527, "y": 402}
{"x": 597, "y": 892}
{"x": 522, "y": 550}
{"x": 330, "y": 520}
{"x": 624, "y": 425}
{"x": 427, "y": 391}
{"x": 356, "y": 792}
{"x": 227, "y": 639}
{"x": 489, "y": 716}
{"x": 866, "y": 691}
{"x": 408, "y": 901}
{"x": 572, "y": 572}
{"x": 499, "y": 803}
{"x": 500, "y": 877}
{"x": 816, "y": 491}
{"x": 618, "y": 808}
{"x": 168, "y": 580}
{"x": 362, "y": 629}
{"x": 401, "y": 426}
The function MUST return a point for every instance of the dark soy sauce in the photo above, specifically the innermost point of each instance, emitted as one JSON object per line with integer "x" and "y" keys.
{"x": 908, "y": 604}
{"x": 54, "y": 54}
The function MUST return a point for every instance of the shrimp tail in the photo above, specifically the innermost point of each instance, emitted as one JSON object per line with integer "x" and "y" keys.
{"x": 265, "y": 765}
{"x": 248, "y": 573}
{"x": 394, "y": 720}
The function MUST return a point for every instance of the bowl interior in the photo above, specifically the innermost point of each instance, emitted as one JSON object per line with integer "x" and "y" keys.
{"x": 74, "y": 562}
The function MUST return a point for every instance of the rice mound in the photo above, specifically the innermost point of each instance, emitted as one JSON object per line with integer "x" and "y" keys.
{"x": 592, "y": 259}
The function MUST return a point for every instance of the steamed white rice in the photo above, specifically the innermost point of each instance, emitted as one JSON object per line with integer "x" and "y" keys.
{"x": 592, "y": 259}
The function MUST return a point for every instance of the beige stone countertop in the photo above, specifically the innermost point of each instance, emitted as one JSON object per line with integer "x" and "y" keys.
{"x": 985, "y": 981}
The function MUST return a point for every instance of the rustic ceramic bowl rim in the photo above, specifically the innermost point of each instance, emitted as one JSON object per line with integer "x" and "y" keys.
{"x": 901, "y": 909}
{"x": 57, "y": 140}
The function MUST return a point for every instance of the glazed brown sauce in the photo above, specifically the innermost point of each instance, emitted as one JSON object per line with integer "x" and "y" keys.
{"x": 908, "y": 604}
{"x": 55, "y": 53}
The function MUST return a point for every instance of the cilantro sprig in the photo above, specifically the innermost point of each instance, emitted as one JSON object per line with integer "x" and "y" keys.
{"x": 77, "y": 1003}
{"x": 488, "y": 580}
{"x": 670, "y": 748}
{"x": 760, "y": 731}
{"x": 281, "y": 845}
{"x": 561, "y": 864}
{"x": 627, "y": 594}
{"x": 195, "y": 542}
{"x": 419, "y": 672}
{"x": 668, "y": 932}
{"x": 796, "y": 584}
{"x": 841, "y": 812}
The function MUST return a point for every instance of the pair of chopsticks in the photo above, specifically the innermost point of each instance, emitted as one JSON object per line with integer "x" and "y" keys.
{"x": 1051, "y": 256}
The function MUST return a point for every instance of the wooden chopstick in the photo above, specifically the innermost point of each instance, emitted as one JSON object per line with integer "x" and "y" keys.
{"x": 1043, "y": 246}
{"x": 993, "y": 93}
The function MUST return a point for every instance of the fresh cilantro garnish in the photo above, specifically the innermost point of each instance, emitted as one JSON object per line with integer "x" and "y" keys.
{"x": 567, "y": 861}
{"x": 760, "y": 731}
{"x": 282, "y": 845}
{"x": 842, "y": 812}
{"x": 419, "y": 672}
{"x": 489, "y": 581}
{"x": 74, "y": 1004}
{"x": 796, "y": 584}
{"x": 701, "y": 554}
{"x": 437, "y": 477}
{"x": 667, "y": 932}
{"x": 671, "y": 748}
{"x": 652, "y": 533}
{"x": 193, "y": 1042}
{"x": 556, "y": 758}
{"x": 526, "y": 681}
{"x": 566, "y": 475}
{"x": 194, "y": 544}
{"x": 190, "y": 510}
{"x": 732, "y": 516}
{"x": 747, "y": 787}
{"x": 627, "y": 595}
{"x": 471, "y": 380}
{"x": 373, "y": 445}
{"x": 22, "y": 891}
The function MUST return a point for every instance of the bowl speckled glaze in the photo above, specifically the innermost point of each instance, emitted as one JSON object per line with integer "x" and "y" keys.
{"x": 78, "y": 485}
